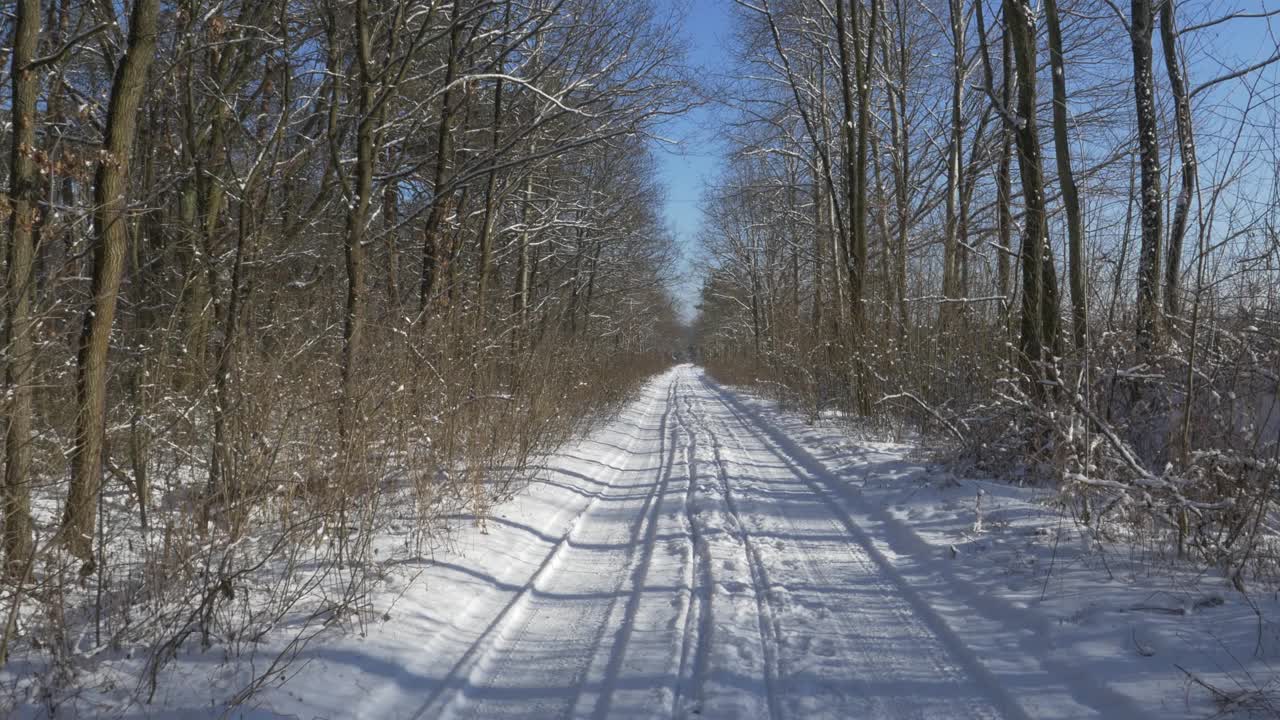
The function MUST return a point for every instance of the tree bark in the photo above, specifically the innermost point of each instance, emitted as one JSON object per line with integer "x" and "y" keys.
{"x": 1004, "y": 178}
{"x": 491, "y": 189}
{"x": 520, "y": 298}
{"x": 1150, "y": 212}
{"x": 819, "y": 261}
{"x": 846, "y": 25}
{"x": 24, "y": 178}
{"x": 1067, "y": 181}
{"x": 111, "y": 236}
{"x": 900, "y": 124}
{"x": 1040, "y": 341}
{"x": 950, "y": 261}
{"x": 444, "y": 149}
{"x": 1187, "y": 152}
{"x": 859, "y": 210}
{"x": 356, "y": 221}
{"x": 1004, "y": 182}
{"x": 855, "y": 85}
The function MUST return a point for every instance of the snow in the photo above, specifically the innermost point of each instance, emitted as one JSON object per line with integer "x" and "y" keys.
{"x": 704, "y": 554}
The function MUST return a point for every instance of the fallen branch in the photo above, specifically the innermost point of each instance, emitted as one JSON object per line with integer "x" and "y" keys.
{"x": 924, "y": 406}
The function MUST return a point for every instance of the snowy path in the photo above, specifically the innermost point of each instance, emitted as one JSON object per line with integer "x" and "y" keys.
{"x": 692, "y": 559}
{"x": 709, "y": 575}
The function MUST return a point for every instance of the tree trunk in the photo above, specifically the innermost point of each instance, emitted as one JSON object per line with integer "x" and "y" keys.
{"x": 859, "y": 211}
{"x": 111, "y": 235}
{"x": 490, "y": 190}
{"x": 900, "y": 120}
{"x": 968, "y": 183}
{"x": 819, "y": 210}
{"x": 444, "y": 149}
{"x": 520, "y": 298}
{"x": 1004, "y": 176}
{"x": 1118, "y": 280}
{"x": 24, "y": 178}
{"x": 855, "y": 70}
{"x": 598, "y": 245}
{"x": 1067, "y": 181}
{"x": 1187, "y": 152}
{"x": 846, "y": 26}
{"x": 1039, "y": 343}
{"x": 819, "y": 262}
{"x": 1004, "y": 183}
{"x": 1149, "y": 327}
{"x": 224, "y": 488}
{"x": 950, "y": 261}
{"x": 357, "y": 219}
{"x": 888, "y": 262}
{"x": 490, "y": 210}
{"x": 835, "y": 225}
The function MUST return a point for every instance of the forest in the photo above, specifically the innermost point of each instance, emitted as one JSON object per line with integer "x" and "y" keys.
{"x": 1050, "y": 234}
{"x": 285, "y": 278}
{"x": 280, "y": 271}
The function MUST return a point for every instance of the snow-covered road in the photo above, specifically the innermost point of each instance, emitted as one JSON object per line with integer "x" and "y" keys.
{"x": 700, "y": 557}
{"x": 709, "y": 573}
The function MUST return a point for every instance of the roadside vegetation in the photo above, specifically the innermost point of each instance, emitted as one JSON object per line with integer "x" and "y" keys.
{"x": 1044, "y": 234}
{"x": 283, "y": 279}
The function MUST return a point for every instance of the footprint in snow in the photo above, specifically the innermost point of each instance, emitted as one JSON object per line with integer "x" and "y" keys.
{"x": 825, "y": 647}
{"x": 822, "y": 647}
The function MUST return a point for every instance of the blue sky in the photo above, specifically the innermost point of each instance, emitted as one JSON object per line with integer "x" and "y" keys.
{"x": 686, "y": 167}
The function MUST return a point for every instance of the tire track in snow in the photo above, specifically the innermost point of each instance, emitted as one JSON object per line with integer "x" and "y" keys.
{"x": 817, "y": 578}
{"x": 697, "y": 619}
{"x": 807, "y": 470}
{"x": 1083, "y": 695}
{"x": 767, "y": 590}
{"x": 638, "y": 570}
{"x": 765, "y": 612}
{"x": 471, "y": 670}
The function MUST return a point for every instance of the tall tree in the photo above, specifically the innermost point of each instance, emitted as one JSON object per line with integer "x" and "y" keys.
{"x": 440, "y": 193}
{"x": 1004, "y": 174}
{"x": 1004, "y": 180}
{"x": 1150, "y": 206}
{"x": 866, "y": 38}
{"x": 357, "y": 220}
{"x": 485, "y": 269}
{"x": 24, "y": 178}
{"x": 900, "y": 127}
{"x": 1067, "y": 180}
{"x": 1187, "y": 152}
{"x": 1040, "y": 339}
{"x": 955, "y": 153}
{"x": 849, "y": 60}
{"x": 111, "y": 238}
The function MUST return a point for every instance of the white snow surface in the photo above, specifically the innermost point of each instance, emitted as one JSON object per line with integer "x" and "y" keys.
{"x": 705, "y": 555}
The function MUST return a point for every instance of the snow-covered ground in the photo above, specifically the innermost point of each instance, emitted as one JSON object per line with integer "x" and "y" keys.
{"x": 704, "y": 555}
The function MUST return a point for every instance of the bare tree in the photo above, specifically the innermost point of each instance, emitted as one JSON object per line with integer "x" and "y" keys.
{"x": 939, "y": 225}
{"x": 110, "y": 195}
{"x": 1067, "y": 180}
{"x": 18, "y": 345}
{"x": 1039, "y": 343}
{"x": 1150, "y": 208}
{"x": 1187, "y": 152}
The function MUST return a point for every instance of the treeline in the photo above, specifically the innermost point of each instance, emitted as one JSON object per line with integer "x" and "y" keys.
{"x": 278, "y": 270}
{"x": 1045, "y": 230}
